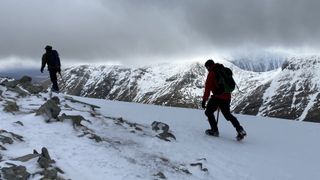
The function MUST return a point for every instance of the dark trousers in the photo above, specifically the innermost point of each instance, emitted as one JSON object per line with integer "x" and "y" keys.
{"x": 215, "y": 103}
{"x": 54, "y": 79}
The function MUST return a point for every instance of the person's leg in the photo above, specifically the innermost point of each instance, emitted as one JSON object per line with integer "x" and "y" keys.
{"x": 53, "y": 77}
{"x": 211, "y": 107}
{"x": 225, "y": 109}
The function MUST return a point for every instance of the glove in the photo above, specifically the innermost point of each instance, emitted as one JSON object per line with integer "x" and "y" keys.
{"x": 59, "y": 70}
{"x": 41, "y": 70}
{"x": 203, "y": 104}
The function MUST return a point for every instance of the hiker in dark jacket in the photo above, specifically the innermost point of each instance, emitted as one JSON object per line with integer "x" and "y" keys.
{"x": 51, "y": 58}
{"x": 219, "y": 100}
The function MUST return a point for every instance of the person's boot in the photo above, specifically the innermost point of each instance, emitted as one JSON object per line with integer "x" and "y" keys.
{"x": 241, "y": 134}
{"x": 211, "y": 132}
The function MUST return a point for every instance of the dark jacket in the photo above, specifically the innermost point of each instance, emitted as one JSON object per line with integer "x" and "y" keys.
{"x": 51, "y": 58}
{"x": 211, "y": 85}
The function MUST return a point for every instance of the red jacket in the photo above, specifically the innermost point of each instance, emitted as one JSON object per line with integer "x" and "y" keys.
{"x": 212, "y": 85}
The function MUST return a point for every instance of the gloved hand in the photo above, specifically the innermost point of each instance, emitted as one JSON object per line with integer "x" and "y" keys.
{"x": 41, "y": 70}
{"x": 203, "y": 104}
{"x": 59, "y": 70}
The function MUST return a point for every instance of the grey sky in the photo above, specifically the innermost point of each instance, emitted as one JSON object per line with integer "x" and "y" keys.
{"x": 129, "y": 30}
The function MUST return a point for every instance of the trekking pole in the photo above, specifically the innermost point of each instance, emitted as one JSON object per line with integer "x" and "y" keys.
{"x": 218, "y": 115}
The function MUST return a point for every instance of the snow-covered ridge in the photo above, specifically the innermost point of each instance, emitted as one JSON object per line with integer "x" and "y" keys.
{"x": 68, "y": 137}
{"x": 166, "y": 84}
{"x": 293, "y": 87}
{"x": 259, "y": 62}
{"x": 293, "y": 93}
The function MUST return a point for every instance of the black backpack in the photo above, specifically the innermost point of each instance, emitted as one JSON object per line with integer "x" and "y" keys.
{"x": 224, "y": 79}
{"x": 53, "y": 59}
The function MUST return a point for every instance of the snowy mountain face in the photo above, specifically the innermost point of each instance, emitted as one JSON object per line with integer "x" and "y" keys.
{"x": 178, "y": 85}
{"x": 290, "y": 92}
{"x": 166, "y": 84}
{"x": 293, "y": 93}
{"x": 261, "y": 62}
{"x": 68, "y": 137}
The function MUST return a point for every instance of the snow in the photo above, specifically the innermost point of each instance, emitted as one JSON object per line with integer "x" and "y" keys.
{"x": 273, "y": 149}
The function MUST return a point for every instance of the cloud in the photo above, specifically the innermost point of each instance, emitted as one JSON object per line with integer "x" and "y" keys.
{"x": 129, "y": 31}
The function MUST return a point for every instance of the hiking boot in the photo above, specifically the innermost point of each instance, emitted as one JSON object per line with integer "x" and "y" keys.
{"x": 211, "y": 132}
{"x": 242, "y": 132}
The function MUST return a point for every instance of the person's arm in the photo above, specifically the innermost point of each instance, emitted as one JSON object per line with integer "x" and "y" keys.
{"x": 208, "y": 86}
{"x": 44, "y": 62}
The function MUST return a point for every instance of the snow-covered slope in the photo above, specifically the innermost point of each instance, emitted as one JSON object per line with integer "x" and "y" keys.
{"x": 115, "y": 140}
{"x": 293, "y": 93}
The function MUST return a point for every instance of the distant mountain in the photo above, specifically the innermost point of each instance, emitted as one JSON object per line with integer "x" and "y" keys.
{"x": 290, "y": 93}
{"x": 259, "y": 62}
{"x": 179, "y": 85}
{"x": 18, "y": 73}
{"x": 293, "y": 93}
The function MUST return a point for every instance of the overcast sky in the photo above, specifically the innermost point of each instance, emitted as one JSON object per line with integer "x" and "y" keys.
{"x": 144, "y": 31}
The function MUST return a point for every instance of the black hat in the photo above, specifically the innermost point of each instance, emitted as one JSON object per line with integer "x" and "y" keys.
{"x": 209, "y": 63}
{"x": 48, "y": 47}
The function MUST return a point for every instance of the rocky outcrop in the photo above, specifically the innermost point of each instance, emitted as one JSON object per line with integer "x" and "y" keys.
{"x": 23, "y": 86}
{"x": 50, "y": 109}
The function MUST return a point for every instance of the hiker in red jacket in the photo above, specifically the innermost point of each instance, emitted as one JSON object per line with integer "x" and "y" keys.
{"x": 219, "y": 99}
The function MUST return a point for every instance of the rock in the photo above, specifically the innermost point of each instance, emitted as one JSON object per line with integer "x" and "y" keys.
{"x": 26, "y": 157}
{"x": 76, "y": 119}
{"x": 165, "y": 135}
{"x": 11, "y": 84}
{"x": 160, "y": 175}
{"x": 15, "y": 173}
{"x": 19, "y": 122}
{"x": 19, "y": 91}
{"x": 50, "y": 108}
{"x": 5, "y": 139}
{"x": 11, "y": 107}
{"x": 156, "y": 126}
{"x": 50, "y": 174}
{"x": 45, "y": 160}
{"x": 25, "y": 80}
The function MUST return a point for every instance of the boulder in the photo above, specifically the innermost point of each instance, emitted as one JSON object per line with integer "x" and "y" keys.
{"x": 50, "y": 108}
{"x": 11, "y": 107}
{"x": 15, "y": 172}
{"x": 165, "y": 133}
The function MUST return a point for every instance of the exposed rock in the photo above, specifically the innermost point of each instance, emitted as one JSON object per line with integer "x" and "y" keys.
{"x": 49, "y": 174}
{"x": 156, "y": 126}
{"x": 5, "y": 139}
{"x": 26, "y": 157}
{"x": 11, "y": 107}
{"x": 50, "y": 109}
{"x": 15, "y": 173}
{"x": 165, "y": 135}
{"x": 19, "y": 122}
{"x": 160, "y": 175}
{"x": 93, "y": 107}
{"x": 45, "y": 160}
{"x": 76, "y": 119}
{"x": 11, "y": 84}
{"x": 25, "y": 83}
{"x": 19, "y": 91}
